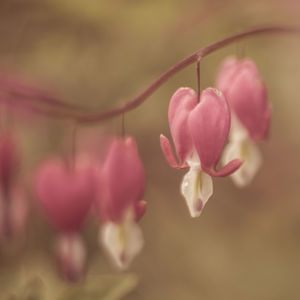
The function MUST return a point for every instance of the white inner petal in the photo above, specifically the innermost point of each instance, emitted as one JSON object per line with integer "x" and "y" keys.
{"x": 123, "y": 241}
{"x": 196, "y": 187}
{"x": 72, "y": 253}
{"x": 246, "y": 150}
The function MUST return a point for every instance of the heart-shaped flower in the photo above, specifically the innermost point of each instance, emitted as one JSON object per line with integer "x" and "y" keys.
{"x": 199, "y": 131}
{"x": 246, "y": 94}
{"x": 64, "y": 194}
{"x": 120, "y": 205}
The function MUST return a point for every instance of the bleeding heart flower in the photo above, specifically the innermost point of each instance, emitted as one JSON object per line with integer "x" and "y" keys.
{"x": 199, "y": 131}
{"x": 246, "y": 94}
{"x": 65, "y": 195}
{"x": 122, "y": 185}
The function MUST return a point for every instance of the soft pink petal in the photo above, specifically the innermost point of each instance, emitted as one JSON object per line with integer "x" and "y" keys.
{"x": 181, "y": 104}
{"x": 64, "y": 195}
{"x": 140, "y": 209}
{"x": 225, "y": 73}
{"x": 123, "y": 180}
{"x": 247, "y": 97}
{"x": 209, "y": 125}
{"x": 228, "y": 169}
{"x": 169, "y": 154}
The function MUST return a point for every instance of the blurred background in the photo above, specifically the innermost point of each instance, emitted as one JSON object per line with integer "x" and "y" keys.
{"x": 96, "y": 53}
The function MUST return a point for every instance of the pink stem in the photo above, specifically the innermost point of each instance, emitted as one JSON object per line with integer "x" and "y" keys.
{"x": 71, "y": 112}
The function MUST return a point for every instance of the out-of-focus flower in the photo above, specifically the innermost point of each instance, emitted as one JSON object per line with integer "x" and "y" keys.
{"x": 13, "y": 213}
{"x": 9, "y": 161}
{"x": 65, "y": 195}
{"x": 246, "y": 94}
{"x": 122, "y": 185}
{"x": 13, "y": 203}
{"x": 71, "y": 255}
{"x": 199, "y": 131}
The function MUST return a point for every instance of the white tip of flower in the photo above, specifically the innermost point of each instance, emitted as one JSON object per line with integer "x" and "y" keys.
{"x": 252, "y": 160}
{"x": 196, "y": 188}
{"x": 71, "y": 255}
{"x": 123, "y": 241}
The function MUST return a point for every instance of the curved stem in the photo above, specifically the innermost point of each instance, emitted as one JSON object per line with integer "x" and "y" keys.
{"x": 198, "y": 79}
{"x": 72, "y": 112}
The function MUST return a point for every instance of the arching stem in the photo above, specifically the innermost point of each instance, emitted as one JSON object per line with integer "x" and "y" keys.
{"x": 61, "y": 110}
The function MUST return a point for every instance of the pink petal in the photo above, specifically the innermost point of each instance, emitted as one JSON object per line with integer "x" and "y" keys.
{"x": 123, "y": 180}
{"x": 181, "y": 104}
{"x": 228, "y": 169}
{"x": 247, "y": 96}
{"x": 209, "y": 125}
{"x": 226, "y": 73}
{"x": 169, "y": 154}
{"x": 64, "y": 195}
{"x": 140, "y": 209}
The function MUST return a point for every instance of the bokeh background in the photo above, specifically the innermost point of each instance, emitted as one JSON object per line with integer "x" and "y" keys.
{"x": 96, "y": 53}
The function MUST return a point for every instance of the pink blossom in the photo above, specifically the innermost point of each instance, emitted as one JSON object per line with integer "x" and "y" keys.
{"x": 64, "y": 194}
{"x": 202, "y": 127}
{"x": 246, "y": 93}
{"x": 122, "y": 181}
{"x": 120, "y": 205}
{"x": 199, "y": 131}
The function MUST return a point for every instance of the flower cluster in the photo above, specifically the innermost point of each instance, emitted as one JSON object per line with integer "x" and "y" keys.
{"x": 200, "y": 130}
{"x": 112, "y": 189}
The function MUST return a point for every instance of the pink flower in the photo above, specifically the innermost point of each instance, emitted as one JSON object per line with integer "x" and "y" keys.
{"x": 199, "y": 131}
{"x": 65, "y": 196}
{"x": 246, "y": 94}
{"x": 120, "y": 203}
{"x": 13, "y": 202}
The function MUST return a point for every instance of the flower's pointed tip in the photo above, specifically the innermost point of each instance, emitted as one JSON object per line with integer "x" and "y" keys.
{"x": 123, "y": 242}
{"x": 228, "y": 169}
{"x": 168, "y": 152}
{"x": 140, "y": 209}
{"x": 197, "y": 209}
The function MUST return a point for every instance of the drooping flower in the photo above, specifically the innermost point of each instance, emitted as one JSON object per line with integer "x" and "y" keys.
{"x": 246, "y": 93}
{"x": 120, "y": 205}
{"x": 13, "y": 203}
{"x": 65, "y": 195}
{"x": 199, "y": 131}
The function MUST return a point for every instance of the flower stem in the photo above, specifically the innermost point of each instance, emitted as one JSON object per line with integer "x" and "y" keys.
{"x": 59, "y": 109}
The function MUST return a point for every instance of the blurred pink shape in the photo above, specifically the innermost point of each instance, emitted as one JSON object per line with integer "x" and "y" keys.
{"x": 9, "y": 160}
{"x": 245, "y": 91}
{"x": 64, "y": 194}
{"x": 123, "y": 181}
